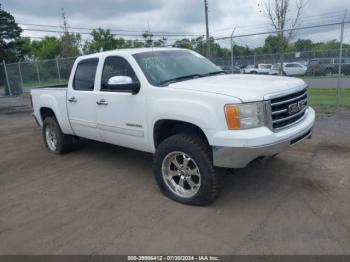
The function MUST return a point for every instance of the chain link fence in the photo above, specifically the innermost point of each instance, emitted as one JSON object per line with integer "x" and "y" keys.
{"x": 23, "y": 76}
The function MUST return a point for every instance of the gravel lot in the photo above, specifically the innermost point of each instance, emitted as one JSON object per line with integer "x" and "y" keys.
{"x": 102, "y": 199}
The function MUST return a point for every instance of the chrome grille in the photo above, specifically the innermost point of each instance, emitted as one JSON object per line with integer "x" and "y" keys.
{"x": 288, "y": 109}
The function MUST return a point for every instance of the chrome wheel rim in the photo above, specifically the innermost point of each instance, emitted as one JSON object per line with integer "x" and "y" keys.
{"x": 51, "y": 138}
{"x": 181, "y": 174}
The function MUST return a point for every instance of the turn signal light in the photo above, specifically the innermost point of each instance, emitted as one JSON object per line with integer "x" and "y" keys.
{"x": 232, "y": 116}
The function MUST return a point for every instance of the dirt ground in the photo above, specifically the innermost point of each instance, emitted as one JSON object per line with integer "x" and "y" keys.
{"x": 102, "y": 199}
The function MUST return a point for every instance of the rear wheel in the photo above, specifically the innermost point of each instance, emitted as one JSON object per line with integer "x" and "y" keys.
{"x": 55, "y": 141}
{"x": 184, "y": 170}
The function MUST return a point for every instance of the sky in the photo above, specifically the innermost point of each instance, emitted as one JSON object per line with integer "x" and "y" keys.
{"x": 172, "y": 16}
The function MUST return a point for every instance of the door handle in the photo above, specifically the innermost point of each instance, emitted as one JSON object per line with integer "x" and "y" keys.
{"x": 102, "y": 102}
{"x": 72, "y": 100}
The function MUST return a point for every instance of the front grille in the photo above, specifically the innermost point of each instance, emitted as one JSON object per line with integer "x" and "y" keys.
{"x": 289, "y": 109}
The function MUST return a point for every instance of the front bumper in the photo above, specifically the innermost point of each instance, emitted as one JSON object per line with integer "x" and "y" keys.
{"x": 241, "y": 155}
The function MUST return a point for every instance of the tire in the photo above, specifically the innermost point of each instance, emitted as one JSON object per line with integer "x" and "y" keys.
{"x": 284, "y": 73}
{"x": 199, "y": 188}
{"x": 55, "y": 141}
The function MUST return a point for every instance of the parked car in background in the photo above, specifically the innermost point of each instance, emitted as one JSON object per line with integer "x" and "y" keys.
{"x": 289, "y": 69}
{"x": 263, "y": 69}
{"x": 228, "y": 69}
{"x": 328, "y": 66}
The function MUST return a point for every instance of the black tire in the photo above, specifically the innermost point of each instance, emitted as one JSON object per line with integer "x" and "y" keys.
{"x": 64, "y": 143}
{"x": 200, "y": 152}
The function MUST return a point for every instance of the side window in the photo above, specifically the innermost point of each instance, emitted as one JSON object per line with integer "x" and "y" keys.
{"x": 84, "y": 78}
{"x": 116, "y": 66}
{"x": 289, "y": 65}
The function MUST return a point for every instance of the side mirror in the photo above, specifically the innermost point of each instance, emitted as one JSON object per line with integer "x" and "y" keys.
{"x": 123, "y": 84}
{"x": 119, "y": 80}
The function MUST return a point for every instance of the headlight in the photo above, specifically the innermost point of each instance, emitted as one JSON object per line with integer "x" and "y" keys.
{"x": 244, "y": 116}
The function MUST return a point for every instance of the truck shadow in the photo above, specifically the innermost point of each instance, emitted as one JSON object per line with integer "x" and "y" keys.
{"x": 260, "y": 180}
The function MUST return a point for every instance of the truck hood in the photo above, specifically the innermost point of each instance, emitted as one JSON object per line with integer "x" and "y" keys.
{"x": 247, "y": 88}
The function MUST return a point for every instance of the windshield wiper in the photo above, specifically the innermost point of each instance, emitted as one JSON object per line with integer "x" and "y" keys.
{"x": 214, "y": 73}
{"x": 181, "y": 78}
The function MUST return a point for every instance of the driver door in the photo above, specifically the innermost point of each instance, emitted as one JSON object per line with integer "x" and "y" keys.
{"x": 120, "y": 114}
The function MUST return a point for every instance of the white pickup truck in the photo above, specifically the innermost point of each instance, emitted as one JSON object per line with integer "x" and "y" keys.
{"x": 179, "y": 106}
{"x": 261, "y": 69}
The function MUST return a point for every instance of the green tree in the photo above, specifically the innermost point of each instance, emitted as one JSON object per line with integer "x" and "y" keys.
{"x": 9, "y": 32}
{"x": 274, "y": 44}
{"x": 160, "y": 42}
{"x": 70, "y": 44}
{"x": 47, "y": 48}
{"x": 148, "y": 37}
{"x": 101, "y": 40}
{"x": 184, "y": 43}
{"x": 24, "y": 49}
{"x": 303, "y": 45}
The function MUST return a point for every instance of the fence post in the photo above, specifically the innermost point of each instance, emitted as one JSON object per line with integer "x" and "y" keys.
{"x": 20, "y": 75}
{"x": 340, "y": 59}
{"x": 7, "y": 79}
{"x": 58, "y": 70}
{"x": 37, "y": 71}
{"x": 231, "y": 40}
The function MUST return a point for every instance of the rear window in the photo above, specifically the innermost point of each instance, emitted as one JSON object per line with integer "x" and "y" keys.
{"x": 84, "y": 79}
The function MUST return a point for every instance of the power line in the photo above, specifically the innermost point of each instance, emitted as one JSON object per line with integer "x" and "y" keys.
{"x": 86, "y": 33}
{"x": 173, "y": 33}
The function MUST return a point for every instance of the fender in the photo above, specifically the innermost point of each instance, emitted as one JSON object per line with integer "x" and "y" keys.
{"x": 60, "y": 111}
{"x": 196, "y": 112}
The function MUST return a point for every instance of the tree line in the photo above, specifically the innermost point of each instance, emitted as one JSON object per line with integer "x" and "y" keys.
{"x": 14, "y": 47}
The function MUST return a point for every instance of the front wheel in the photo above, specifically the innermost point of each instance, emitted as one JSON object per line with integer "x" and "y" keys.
{"x": 55, "y": 141}
{"x": 184, "y": 170}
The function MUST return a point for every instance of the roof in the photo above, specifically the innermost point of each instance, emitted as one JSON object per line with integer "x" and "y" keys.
{"x": 132, "y": 51}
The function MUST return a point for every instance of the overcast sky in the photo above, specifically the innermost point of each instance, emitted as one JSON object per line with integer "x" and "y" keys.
{"x": 163, "y": 15}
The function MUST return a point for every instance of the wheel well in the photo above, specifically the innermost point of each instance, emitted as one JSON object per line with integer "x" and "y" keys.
{"x": 166, "y": 128}
{"x": 46, "y": 112}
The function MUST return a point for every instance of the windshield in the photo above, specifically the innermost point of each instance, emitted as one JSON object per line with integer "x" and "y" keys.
{"x": 164, "y": 67}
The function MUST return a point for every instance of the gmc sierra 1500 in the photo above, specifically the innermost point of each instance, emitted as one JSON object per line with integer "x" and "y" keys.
{"x": 180, "y": 106}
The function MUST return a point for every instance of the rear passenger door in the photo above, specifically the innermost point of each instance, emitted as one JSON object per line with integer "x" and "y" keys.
{"x": 81, "y": 100}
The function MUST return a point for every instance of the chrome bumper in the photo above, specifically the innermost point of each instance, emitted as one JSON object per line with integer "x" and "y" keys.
{"x": 239, "y": 157}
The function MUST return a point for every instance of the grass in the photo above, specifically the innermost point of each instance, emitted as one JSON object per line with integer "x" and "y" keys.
{"x": 327, "y": 97}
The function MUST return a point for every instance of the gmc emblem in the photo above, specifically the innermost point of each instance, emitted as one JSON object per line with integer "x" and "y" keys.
{"x": 296, "y": 107}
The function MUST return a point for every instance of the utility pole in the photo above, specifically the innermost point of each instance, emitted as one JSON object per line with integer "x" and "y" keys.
{"x": 207, "y": 27}
{"x": 64, "y": 20}
{"x": 66, "y": 43}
